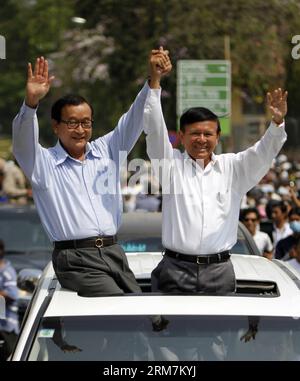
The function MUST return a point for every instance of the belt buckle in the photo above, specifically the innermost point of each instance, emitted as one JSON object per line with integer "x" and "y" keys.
{"x": 99, "y": 242}
{"x": 198, "y": 260}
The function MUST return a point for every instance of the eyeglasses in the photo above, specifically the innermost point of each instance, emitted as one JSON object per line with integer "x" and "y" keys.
{"x": 250, "y": 219}
{"x": 206, "y": 135}
{"x": 73, "y": 124}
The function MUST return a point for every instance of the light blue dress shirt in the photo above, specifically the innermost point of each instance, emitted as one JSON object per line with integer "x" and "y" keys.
{"x": 77, "y": 199}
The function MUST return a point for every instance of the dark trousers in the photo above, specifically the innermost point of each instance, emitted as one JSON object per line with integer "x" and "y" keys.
{"x": 7, "y": 343}
{"x": 94, "y": 271}
{"x": 176, "y": 276}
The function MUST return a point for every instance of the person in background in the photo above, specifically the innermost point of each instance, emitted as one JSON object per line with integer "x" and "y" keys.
{"x": 284, "y": 246}
{"x": 295, "y": 255}
{"x": 9, "y": 328}
{"x": 281, "y": 227}
{"x": 3, "y": 196}
{"x": 293, "y": 194}
{"x": 15, "y": 185}
{"x": 148, "y": 202}
{"x": 250, "y": 218}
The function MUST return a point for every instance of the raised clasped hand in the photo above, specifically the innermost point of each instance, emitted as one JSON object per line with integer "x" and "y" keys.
{"x": 160, "y": 63}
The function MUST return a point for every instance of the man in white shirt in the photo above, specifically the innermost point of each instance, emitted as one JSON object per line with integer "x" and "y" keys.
{"x": 250, "y": 218}
{"x": 281, "y": 227}
{"x": 202, "y": 191}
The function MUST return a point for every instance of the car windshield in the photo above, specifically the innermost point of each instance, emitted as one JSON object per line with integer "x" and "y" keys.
{"x": 22, "y": 232}
{"x": 168, "y": 338}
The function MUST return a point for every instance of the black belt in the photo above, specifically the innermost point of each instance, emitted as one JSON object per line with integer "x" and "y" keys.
{"x": 200, "y": 259}
{"x": 86, "y": 242}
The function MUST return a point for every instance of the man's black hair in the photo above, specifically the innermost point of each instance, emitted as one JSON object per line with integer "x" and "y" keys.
{"x": 198, "y": 114}
{"x": 281, "y": 205}
{"x": 295, "y": 210}
{"x": 245, "y": 212}
{"x": 67, "y": 100}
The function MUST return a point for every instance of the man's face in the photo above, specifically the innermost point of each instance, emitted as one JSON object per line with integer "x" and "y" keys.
{"x": 200, "y": 139}
{"x": 251, "y": 221}
{"x": 74, "y": 140}
{"x": 277, "y": 214}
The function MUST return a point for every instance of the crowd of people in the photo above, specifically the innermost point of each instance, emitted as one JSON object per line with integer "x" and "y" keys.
{"x": 14, "y": 188}
{"x": 271, "y": 211}
{"x": 281, "y": 183}
{"x": 9, "y": 327}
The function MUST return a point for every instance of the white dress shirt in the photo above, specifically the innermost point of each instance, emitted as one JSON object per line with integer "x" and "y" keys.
{"x": 201, "y": 205}
{"x": 263, "y": 242}
{"x": 281, "y": 233}
{"x": 77, "y": 199}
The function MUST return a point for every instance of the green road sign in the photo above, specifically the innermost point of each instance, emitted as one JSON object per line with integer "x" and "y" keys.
{"x": 202, "y": 83}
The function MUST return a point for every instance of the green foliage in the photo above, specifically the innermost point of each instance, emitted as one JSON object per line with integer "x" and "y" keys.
{"x": 31, "y": 28}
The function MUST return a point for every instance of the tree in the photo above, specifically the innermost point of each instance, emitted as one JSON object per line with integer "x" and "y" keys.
{"x": 105, "y": 59}
{"x": 35, "y": 29}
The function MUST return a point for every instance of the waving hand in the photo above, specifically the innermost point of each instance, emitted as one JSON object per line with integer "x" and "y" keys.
{"x": 38, "y": 82}
{"x": 277, "y": 104}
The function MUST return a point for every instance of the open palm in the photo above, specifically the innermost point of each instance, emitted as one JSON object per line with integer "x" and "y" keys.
{"x": 38, "y": 82}
{"x": 277, "y": 103}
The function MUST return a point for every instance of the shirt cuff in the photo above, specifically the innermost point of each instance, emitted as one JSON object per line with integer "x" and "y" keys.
{"x": 276, "y": 129}
{"x": 154, "y": 93}
{"x": 29, "y": 111}
{"x": 147, "y": 82}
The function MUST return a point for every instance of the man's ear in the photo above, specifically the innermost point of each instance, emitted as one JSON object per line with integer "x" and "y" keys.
{"x": 181, "y": 135}
{"x": 54, "y": 125}
{"x": 218, "y": 137}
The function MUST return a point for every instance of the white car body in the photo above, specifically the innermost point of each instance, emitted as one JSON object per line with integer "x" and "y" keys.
{"x": 275, "y": 285}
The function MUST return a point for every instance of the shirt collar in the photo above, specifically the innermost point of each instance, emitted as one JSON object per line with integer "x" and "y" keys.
{"x": 62, "y": 154}
{"x": 215, "y": 160}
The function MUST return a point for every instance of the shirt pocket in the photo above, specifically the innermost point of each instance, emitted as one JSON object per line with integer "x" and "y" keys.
{"x": 222, "y": 197}
{"x": 223, "y": 201}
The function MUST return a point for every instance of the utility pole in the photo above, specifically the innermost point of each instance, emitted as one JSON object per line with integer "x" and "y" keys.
{"x": 227, "y": 48}
{"x": 2, "y": 48}
{"x": 228, "y": 140}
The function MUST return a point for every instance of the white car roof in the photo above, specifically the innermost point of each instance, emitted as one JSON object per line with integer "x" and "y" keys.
{"x": 249, "y": 270}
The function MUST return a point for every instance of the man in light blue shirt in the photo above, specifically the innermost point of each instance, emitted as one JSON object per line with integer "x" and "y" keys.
{"x": 76, "y": 185}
